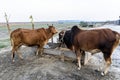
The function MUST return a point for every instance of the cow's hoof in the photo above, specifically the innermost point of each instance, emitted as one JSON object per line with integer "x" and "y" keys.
{"x": 102, "y": 73}
{"x": 21, "y": 58}
{"x": 58, "y": 48}
{"x": 36, "y": 54}
{"x": 79, "y": 68}
{"x": 13, "y": 60}
{"x": 97, "y": 70}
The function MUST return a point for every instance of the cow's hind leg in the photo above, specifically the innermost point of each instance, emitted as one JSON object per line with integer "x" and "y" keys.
{"x": 107, "y": 58}
{"x": 18, "y": 51}
{"x": 13, "y": 54}
{"x": 14, "y": 49}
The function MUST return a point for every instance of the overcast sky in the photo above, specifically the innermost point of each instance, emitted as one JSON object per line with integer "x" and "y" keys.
{"x": 53, "y": 10}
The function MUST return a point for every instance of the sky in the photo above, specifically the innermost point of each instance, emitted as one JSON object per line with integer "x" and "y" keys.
{"x": 54, "y": 10}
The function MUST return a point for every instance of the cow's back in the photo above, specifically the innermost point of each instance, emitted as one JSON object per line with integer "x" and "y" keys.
{"x": 33, "y": 37}
{"x": 94, "y": 39}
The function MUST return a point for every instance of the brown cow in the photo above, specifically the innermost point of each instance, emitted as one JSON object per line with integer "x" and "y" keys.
{"x": 104, "y": 40}
{"x": 38, "y": 37}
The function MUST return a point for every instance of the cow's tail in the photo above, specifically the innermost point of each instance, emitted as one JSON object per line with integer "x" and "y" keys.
{"x": 118, "y": 37}
{"x": 11, "y": 40}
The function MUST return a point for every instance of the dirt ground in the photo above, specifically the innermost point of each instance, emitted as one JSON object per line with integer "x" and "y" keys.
{"x": 49, "y": 67}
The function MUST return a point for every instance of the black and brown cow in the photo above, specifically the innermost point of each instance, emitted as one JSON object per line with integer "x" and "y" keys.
{"x": 104, "y": 40}
{"x": 38, "y": 37}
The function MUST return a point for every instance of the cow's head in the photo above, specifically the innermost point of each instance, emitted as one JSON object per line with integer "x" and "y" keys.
{"x": 61, "y": 35}
{"x": 52, "y": 29}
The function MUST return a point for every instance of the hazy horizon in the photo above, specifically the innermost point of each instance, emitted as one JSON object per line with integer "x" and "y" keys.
{"x": 54, "y": 10}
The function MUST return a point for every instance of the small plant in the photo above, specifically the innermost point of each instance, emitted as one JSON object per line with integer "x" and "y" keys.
{"x": 83, "y": 24}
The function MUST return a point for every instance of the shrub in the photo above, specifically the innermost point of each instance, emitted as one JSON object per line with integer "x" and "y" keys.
{"x": 83, "y": 24}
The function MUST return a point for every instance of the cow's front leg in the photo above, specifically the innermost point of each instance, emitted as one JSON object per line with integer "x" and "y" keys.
{"x": 78, "y": 54}
{"x": 37, "y": 52}
{"x": 41, "y": 51}
{"x": 42, "y": 47}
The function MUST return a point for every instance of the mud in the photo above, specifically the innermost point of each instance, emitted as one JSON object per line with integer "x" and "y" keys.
{"x": 50, "y": 67}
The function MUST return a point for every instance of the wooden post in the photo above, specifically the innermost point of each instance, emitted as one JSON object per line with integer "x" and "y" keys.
{"x": 32, "y": 22}
{"x": 52, "y": 39}
{"x": 7, "y": 21}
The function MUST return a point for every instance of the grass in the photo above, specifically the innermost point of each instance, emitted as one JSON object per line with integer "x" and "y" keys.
{"x": 2, "y": 46}
{"x": 4, "y": 43}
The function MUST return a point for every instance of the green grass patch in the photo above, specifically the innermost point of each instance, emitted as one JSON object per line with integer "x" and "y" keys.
{"x": 4, "y": 43}
{"x": 2, "y": 46}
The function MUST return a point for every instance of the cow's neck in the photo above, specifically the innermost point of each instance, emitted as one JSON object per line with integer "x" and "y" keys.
{"x": 49, "y": 34}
